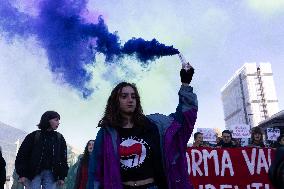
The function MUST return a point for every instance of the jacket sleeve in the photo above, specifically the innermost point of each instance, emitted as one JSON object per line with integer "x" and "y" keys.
{"x": 63, "y": 160}
{"x": 78, "y": 173}
{"x": 186, "y": 111}
{"x": 96, "y": 162}
{"x": 275, "y": 166}
{"x": 2, "y": 170}
{"x": 24, "y": 155}
{"x": 183, "y": 119}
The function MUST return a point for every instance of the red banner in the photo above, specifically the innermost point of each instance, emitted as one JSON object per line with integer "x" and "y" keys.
{"x": 230, "y": 168}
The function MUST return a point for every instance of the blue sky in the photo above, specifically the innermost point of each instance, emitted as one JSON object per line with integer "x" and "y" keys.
{"x": 217, "y": 37}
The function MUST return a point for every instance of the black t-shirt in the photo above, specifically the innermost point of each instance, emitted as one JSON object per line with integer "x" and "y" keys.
{"x": 140, "y": 154}
{"x": 226, "y": 145}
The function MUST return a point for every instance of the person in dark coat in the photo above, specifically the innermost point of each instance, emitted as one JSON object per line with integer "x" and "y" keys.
{"x": 198, "y": 140}
{"x": 276, "y": 170}
{"x": 279, "y": 142}
{"x": 42, "y": 157}
{"x": 226, "y": 141}
{"x": 2, "y": 170}
{"x": 82, "y": 171}
{"x": 257, "y": 138}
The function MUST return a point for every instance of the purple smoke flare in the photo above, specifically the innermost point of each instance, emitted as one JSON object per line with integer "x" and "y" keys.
{"x": 13, "y": 22}
{"x": 147, "y": 50}
{"x": 71, "y": 43}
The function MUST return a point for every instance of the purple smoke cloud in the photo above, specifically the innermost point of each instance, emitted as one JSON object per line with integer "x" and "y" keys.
{"x": 71, "y": 42}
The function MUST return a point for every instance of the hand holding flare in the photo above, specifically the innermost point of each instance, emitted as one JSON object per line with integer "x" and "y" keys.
{"x": 186, "y": 72}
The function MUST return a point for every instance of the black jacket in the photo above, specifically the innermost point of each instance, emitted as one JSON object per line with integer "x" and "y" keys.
{"x": 2, "y": 170}
{"x": 30, "y": 155}
{"x": 276, "y": 170}
{"x": 226, "y": 145}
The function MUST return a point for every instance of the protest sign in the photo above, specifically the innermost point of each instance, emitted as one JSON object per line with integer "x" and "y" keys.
{"x": 229, "y": 168}
{"x": 208, "y": 134}
{"x": 240, "y": 131}
{"x": 272, "y": 133}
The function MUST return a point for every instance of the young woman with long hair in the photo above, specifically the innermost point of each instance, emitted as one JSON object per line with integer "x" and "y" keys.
{"x": 135, "y": 151}
{"x": 82, "y": 171}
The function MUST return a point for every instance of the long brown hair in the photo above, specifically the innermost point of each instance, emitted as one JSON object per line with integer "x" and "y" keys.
{"x": 112, "y": 115}
{"x": 86, "y": 155}
{"x": 256, "y": 130}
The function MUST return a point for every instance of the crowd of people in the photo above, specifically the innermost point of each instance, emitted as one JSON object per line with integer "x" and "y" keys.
{"x": 131, "y": 150}
{"x": 227, "y": 141}
{"x": 276, "y": 170}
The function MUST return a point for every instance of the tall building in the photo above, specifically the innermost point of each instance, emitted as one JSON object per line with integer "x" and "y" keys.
{"x": 249, "y": 97}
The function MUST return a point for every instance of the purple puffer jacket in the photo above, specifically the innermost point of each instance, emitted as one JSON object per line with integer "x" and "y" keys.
{"x": 175, "y": 131}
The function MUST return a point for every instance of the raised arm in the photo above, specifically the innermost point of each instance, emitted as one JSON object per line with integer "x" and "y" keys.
{"x": 186, "y": 112}
{"x": 183, "y": 119}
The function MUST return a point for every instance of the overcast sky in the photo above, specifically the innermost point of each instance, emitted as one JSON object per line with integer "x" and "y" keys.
{"x": 217, "y": 37}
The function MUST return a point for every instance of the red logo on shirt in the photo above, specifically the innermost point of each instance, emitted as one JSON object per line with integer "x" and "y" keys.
{"x": 132, "y": 153}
